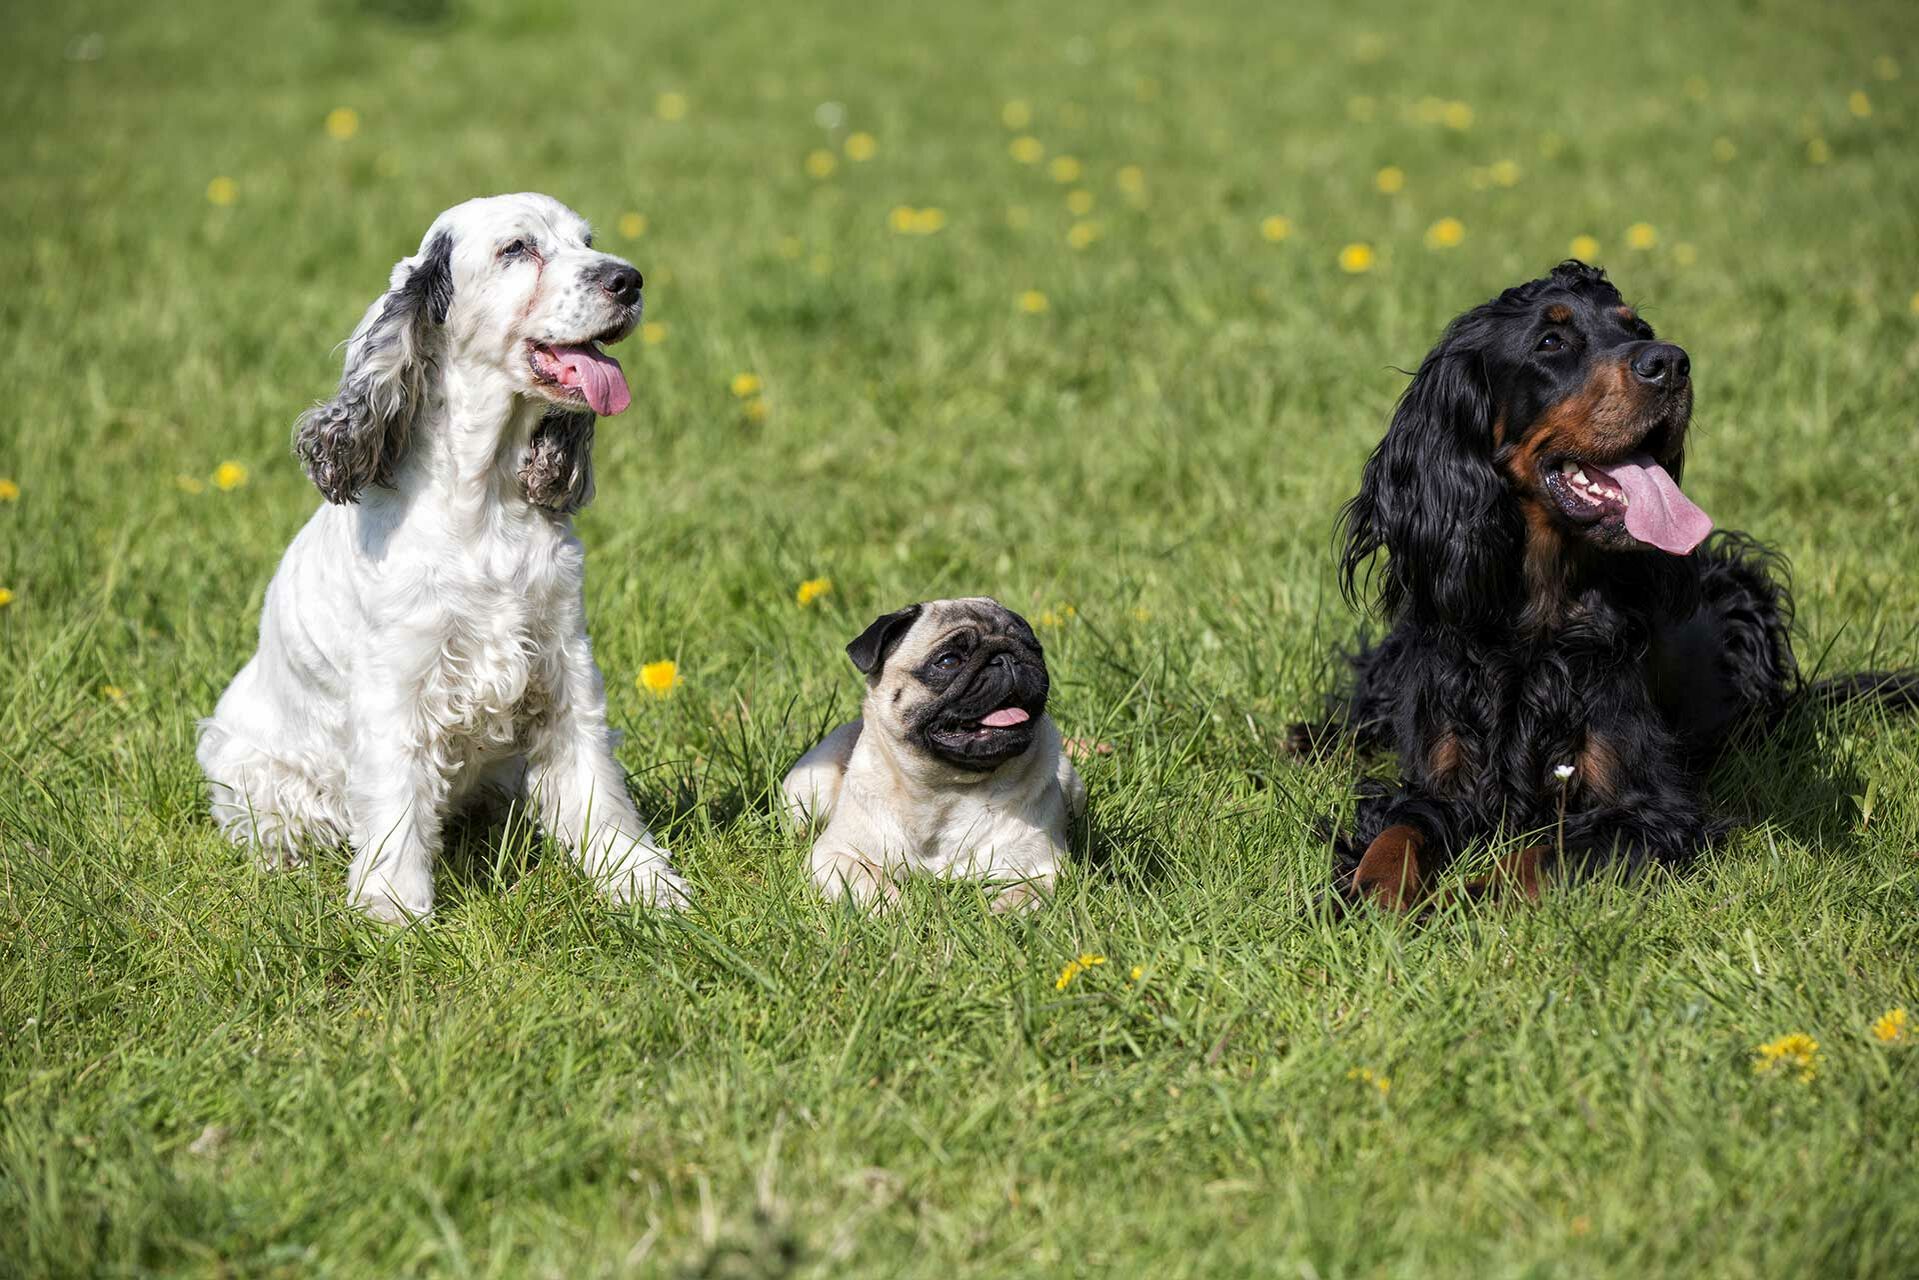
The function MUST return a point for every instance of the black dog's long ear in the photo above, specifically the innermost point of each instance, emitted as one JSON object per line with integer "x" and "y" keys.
{"x": 558, "y": 471}
{"x": 1432, "y": 499}
{"x": 359, "y": 436}
{"x": 869, "y": 650}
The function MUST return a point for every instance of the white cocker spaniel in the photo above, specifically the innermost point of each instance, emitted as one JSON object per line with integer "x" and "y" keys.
{"x": 424, "y": 642}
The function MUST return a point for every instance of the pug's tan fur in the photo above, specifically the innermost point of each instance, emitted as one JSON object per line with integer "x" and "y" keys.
{"x": 884, "y": 806}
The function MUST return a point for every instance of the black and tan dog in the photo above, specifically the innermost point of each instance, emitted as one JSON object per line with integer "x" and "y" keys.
{"x": 954, "y": 769}
{"x": 1569, "y": 649}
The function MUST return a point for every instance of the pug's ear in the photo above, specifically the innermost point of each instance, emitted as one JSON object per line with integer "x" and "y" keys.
{"x": 869, "y": 651}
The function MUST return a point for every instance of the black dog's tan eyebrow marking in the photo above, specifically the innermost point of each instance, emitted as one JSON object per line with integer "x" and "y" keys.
{"x": 1559, "y": 313}
{"x": 1627, "y": 314}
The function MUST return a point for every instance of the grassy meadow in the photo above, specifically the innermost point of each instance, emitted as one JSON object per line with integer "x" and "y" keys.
{"x": 1095, "y": 308}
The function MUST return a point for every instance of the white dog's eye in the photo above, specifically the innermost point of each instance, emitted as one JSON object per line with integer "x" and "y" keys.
{"x": 513, "y": 249}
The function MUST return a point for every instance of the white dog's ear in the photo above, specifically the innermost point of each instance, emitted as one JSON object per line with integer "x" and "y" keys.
{"x": 558, "y": 471}
{"x": 359, "y": 436}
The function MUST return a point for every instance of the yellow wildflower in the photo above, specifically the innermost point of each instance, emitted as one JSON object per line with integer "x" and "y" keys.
{"x": 745, "y": 384}
{"x": 1585, "y": 248}
{"x": 1080, "y": 202}
{"x": 1027, "y": 149}
{"x": 1445, "y": 234}
{"x": 6, "y": 597}
{"x": 342, "y": 123}
{"x": 229, "y": 476}
{"x": 1076, "y": 966}
{"x": 1064, "y": 169}
{"x": 900, "y": 218}
{"x": 1817, "y": 152}
{"x": 1275, "y": 227}
{"x": 1016, "y": 114}
{"x": 670, "y": 106}
{"x": 1858, "y": 103}
{"x": 1890, "y": 1026}
{"x": 1724, "y": 149}
{"x": 1914, "y": 306}
{"x": 1137, "y": 972}
{"x": 1356, "y": 259}
{"x": 1033, "y": 302}
{"x": 1142, "y": 614}
{"x": 1132, "y": 180}
{"x": 659, "y": 678}
{"x": 1366, "y": 1075}
{"x": 820, "y": 163}
{"x": 811, "y": 590}
{"x": 1082, "y": 234}
{"x": 929, "y": 220}
{"x": 1457, "y": 115}
{"x": 1796, "y": 1052}
{"x": 222, "y": 191}
{"x": 754, "y": 409}
{"x": 1640, "y": 235}
{"x": 652, "y": 333}
{"x": 1391, "y": 180}
{"x": 632, "y": 225}
{"x": 113, "y": 693}
{"x": 861, "y": 147}
{"x": 9, "y": 491}
{"x": 1048, "y": 618}
{"x": 1504, "y": 173}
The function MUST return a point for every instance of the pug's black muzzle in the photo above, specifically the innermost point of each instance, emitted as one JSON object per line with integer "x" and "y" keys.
{"x": 997, "y": 678}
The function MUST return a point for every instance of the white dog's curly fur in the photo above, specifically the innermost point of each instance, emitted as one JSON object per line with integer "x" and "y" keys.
{"x": 424, "y": 639}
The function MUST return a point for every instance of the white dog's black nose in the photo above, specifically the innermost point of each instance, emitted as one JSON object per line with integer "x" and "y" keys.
{"x": 621, "y": 282}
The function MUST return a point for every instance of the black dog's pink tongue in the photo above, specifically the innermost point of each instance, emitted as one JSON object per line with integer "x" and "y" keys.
{"x": 597, "y": 375}
{"x": 1656, "y": 512}
{"x": 1005, "y": 718}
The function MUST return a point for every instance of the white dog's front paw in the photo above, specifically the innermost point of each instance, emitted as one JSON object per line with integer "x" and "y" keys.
{"x": 843, "y": 876}
{"x": 389, "y": 903}
{"x": 653, "y": 883}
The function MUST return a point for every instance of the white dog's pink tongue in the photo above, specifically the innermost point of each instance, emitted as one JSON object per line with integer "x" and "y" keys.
{"x": 597, "y": 375}
{"x": 1005, "y": 718}
{"x": 1657, "y": 513}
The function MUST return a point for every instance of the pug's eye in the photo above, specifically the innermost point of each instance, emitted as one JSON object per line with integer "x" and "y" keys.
{"x": 948, "y": 661}
{"x": 1550, "y": 343}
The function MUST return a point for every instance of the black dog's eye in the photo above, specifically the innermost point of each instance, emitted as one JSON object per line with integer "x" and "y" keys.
{"x": 513, "y": 249}
{"x": 947, "y": 661}
{"x": 1551, "y": 342}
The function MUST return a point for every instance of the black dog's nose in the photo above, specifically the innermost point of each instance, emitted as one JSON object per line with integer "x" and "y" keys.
{"x": 621, "y": 282}
{"x": 1662, "y": 362}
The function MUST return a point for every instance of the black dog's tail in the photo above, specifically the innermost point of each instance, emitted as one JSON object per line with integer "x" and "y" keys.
{"x": 1893, "y": 690}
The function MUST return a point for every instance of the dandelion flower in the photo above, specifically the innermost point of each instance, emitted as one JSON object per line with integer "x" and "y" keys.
{"x": 1275, "y": 228}
{"x": 745, "y": 384}
{"x": 6, "y": 597}
{"x": 1858, "y": 103}
{"x": 1585, "y": 248}
{"x": 861, "y": 147}
{"x": 670, "y": 106}
{"x": 229, "y": 476}
{"x": 1076, "y": 966}
{"x": 113, "y": 693}
{"x": 1016, "y": 114}
{"x": 811, "y": 590}
{"x": 1890, "y": 1026}
{"x": 1457, "y": 115}
{"x": 820, "y": 163}
{"x": 1914, "y": 305}
{"x": 9, "y": 491}
{"x": 342, "y": 123}
{"x": 1445, "y": 234}
{"x": 1796, "y": 1052}
{"x": 1366, "y": 1075}
{"x": 1080, "y": 202}
{"x": 1081, "y": 235}
{"x": 900, "y": 218}
{"x": 632, "y": 225}
{"x": 929, "y": 220}
{"x": 1142, "y": 614}
{"x": 1724, "y": 149}
{"x": 1132, "y": 180}
{"x": 1817, "y": 152}
{"x": 1137, "y": 972}
{"x": 755, "y": 409}
{"x": 1684, "y": 254}
{"x": 222, "y": 191}
{"x": 1048, "y": 618}
{"x": 1356, "y": 259}
{"x": 1391, "y": 180}
{"x": 1640, "y": 235}
{"x": 653, "y": 333}
{"x": 659, "y": 678}
{"x": 1504, "y": 173}
{"x": 1064, "y": 169}
{"x": 1027, "y": 149}
{"x": 1033, "y": 302}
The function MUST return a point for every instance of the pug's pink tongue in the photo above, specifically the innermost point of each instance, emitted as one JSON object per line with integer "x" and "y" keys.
{"x": 1005, "y": 718}
{"x": 1657, "y": 513}
{"x": 597, "y": 375}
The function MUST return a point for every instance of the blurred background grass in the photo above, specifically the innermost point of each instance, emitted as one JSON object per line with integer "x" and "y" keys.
{"x": 1053, "y": 302}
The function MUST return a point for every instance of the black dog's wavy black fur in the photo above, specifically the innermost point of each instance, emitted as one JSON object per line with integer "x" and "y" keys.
{"x": 1523, "y": 645}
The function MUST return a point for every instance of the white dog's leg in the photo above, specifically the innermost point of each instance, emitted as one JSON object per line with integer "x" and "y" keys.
{"x": 840, "y": 872}
{"x": 397, "y": 794}
{"x": 579, "y": 791}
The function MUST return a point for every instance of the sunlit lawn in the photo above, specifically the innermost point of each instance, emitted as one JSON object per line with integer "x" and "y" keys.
{"x": 1096, "y": 311}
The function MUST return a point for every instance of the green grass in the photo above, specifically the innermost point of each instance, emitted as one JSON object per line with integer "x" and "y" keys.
{"x": 209, "y": 1070}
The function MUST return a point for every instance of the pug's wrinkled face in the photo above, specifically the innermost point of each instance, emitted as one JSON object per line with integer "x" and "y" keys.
{"x": 963, "y": 681}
